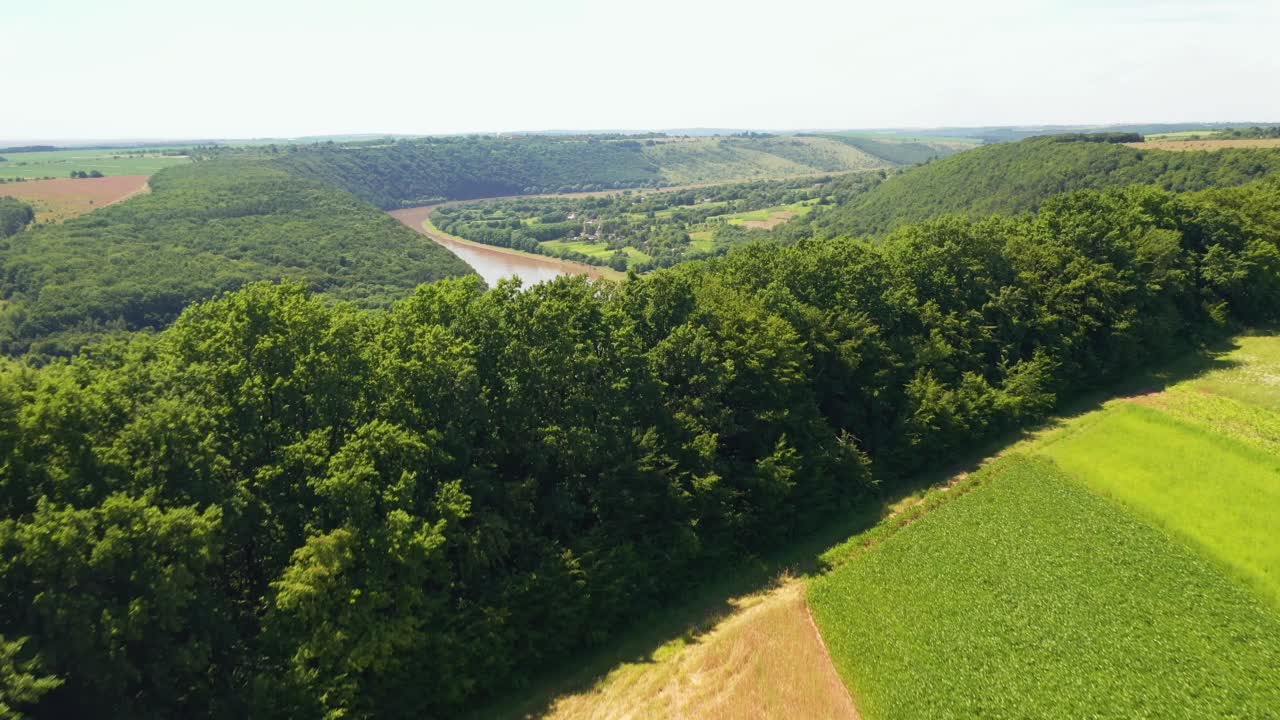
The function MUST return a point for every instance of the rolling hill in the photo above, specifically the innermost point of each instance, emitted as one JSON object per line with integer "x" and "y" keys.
{"x": 1017, "y": 177}
{"x": 415, "y": 172}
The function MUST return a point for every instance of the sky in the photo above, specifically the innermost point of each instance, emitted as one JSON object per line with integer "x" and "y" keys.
{"x": 289, "y": 68}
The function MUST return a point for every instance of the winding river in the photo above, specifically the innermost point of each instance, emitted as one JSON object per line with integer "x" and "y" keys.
{"x": 494, "y": 263}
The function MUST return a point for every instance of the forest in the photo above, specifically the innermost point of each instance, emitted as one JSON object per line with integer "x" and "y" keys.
{"x": 1018, "y": 176}
{"x": 416, "y": 172}
{"x": 286, "y": 506}
{"x": 206, "y": 228}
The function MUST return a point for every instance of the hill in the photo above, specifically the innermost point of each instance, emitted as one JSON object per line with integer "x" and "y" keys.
{"x": 416, "y": 172}
{"x": 205, "y": 228}
{"x": 1018, "y": 177}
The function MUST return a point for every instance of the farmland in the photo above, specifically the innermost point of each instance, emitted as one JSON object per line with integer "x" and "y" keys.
{"x": 1198, "y": 459}
{"x": 1210, "y": 144}
{"x": 1032, "y": 597}
{"x": 64, "y": 198}
{"x": 112, "y": 161}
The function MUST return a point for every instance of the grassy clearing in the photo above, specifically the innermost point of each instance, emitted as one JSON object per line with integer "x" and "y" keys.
{"x": 60, "y": 163}
{"x": 769, "y": 214}
{"x": 1033, "y": 597}
{"x": 595, "y": 249}
{"x": 1201, "y": 459}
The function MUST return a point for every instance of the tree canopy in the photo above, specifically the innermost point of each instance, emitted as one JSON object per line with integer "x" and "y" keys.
{"x": 14, "y": 216}
{"x": 283, "y": 506}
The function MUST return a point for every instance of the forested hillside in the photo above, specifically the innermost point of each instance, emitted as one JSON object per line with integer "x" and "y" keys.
{"x": 285, "y": 507}
{"x": 205, "y": 228}
{"x": 1019, "y": 176}
{"x": 416, "y": 172}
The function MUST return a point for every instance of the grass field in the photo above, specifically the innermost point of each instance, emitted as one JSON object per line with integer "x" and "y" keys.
{"x": 1183, "y": 135}
{"x": 596, "y": 249}
{"x": 60, "y": 163}
{"x": 768, "y": 218}
{"x": 1032, "y": 597}
{"x": 1201, "y": 459}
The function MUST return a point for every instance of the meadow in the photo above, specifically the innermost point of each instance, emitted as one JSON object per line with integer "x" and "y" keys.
{"x": 1031, "y": 596}
{"x": 60, "y": 163}
{"x": 1198, "y": 459}
{"x": 767, "y": 218}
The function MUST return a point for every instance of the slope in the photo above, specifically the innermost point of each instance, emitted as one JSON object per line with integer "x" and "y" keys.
{"x": 1018, "y": 177}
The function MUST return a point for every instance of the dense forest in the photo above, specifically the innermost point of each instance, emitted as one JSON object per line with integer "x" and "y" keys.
{"x": 205, "y": 228}
{"x": 14, "y": 216}
{"x": 1017, "y": 177}
{"x": 416, "y": 172}
{"x": 283, "y": 506}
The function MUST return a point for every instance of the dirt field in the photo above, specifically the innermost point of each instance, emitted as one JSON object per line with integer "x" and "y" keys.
{"x": 765, "y": 661}
{"x": 1187, "y": 145}
{"x": 64, "y": 198}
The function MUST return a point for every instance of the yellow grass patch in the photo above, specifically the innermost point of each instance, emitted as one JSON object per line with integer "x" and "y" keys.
{"x": 765, "y": 660}
{"x": 1187, "y": 145}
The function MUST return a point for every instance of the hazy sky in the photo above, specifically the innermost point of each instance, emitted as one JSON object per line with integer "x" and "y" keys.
{"x": 245, "y": 68}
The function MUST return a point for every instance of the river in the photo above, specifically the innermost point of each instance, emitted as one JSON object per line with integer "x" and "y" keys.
{"x": 494, "y": 263}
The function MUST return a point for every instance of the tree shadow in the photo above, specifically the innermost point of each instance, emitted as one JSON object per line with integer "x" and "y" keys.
{"x": 702, "y": 608}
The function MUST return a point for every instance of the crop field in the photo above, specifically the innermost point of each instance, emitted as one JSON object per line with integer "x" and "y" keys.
{"x": 767, "y": 218}
{"x": 1190, "y": 145}
{"x": 61, "y": 163}
{"x": 64, "y": 198}
{"x": 1031, "y": 596}
{"x": 1198, "y": 459}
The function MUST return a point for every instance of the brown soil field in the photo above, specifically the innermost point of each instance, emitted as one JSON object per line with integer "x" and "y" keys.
{"x": 65, "y": 198}
{"x": 1188, "y": 145}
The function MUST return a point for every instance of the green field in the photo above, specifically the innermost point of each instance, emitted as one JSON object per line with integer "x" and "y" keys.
{"x": 799, "y": 209}
{"x": 1032, "y": 597}
{"x": 60, "y": 163}
{"x": 1184, "y": 135}
{"x": 1201, "y": 459}
{"x": 593, "y": 249}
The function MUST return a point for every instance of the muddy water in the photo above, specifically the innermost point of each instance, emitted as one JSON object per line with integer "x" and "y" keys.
{"x": 494, "y": 263}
